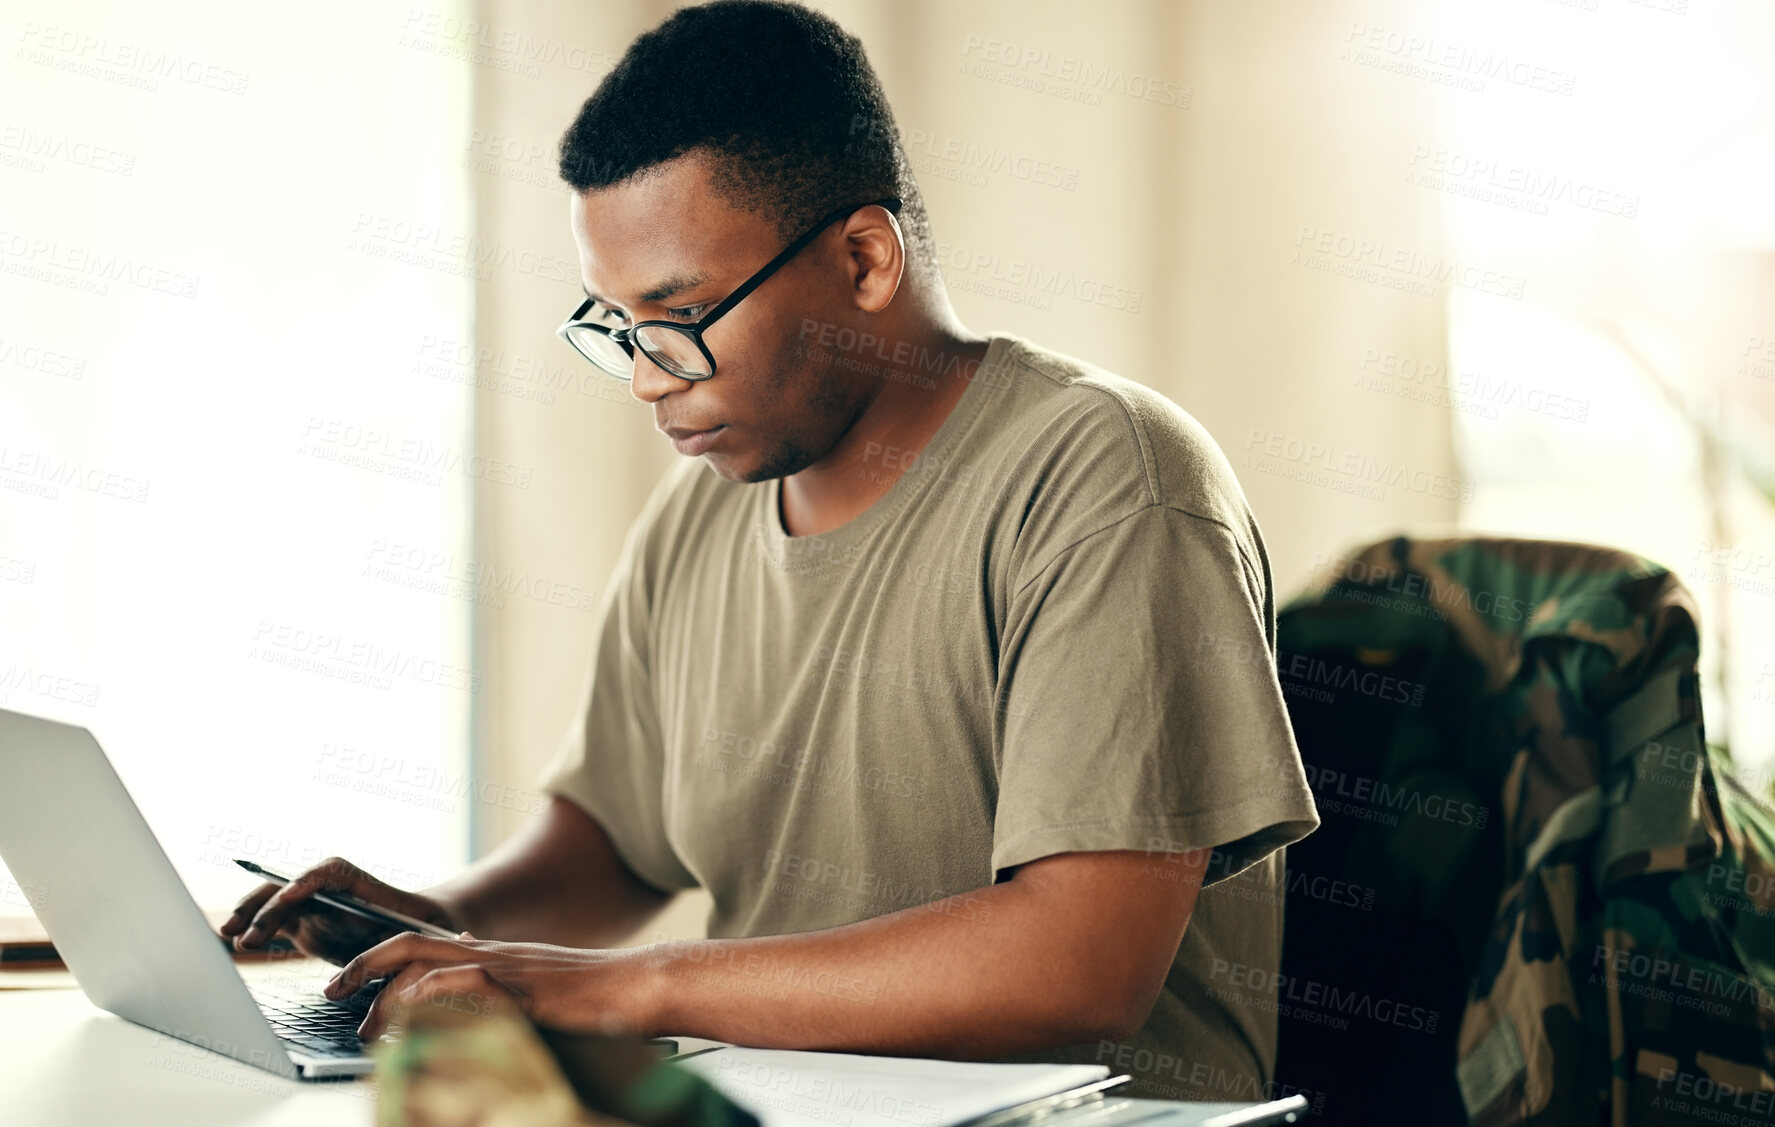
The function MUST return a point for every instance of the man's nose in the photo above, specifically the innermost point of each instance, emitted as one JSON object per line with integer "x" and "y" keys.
{"x": 651, "y": 383}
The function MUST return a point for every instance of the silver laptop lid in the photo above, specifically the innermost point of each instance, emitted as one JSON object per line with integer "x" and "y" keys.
{"x": 112, "y": 902}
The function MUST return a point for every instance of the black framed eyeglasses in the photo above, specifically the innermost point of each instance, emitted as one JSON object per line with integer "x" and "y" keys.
{"x": 676, "y": 347}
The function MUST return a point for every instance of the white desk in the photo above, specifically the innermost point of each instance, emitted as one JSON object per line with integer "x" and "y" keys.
{"x": 66, "y": 1063}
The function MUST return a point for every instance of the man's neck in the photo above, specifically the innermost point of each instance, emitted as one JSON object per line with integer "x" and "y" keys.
{"x": 887, "y": 438}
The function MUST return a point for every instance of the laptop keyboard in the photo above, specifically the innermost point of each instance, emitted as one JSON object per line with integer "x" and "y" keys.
{"x": 314, "y": 1023}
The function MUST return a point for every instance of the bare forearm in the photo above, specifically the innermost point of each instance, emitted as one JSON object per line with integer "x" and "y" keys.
{"x": 555, "y": 881}
{"x": 1074, "y": 947}
{"x": 974, "y": 976}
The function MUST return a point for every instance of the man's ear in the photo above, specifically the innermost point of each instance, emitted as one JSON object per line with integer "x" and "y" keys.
{"x": 877, "y": 254}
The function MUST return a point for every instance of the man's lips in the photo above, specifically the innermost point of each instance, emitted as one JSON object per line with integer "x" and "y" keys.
{"x": 675, "y": 433}
{"x": 691, "y": 440}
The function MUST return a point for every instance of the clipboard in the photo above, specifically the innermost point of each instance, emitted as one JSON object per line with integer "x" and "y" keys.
{"x": 1128, "y": 1112}
{"x": 1036, "y": 1109}
{"x": 1289, "y": 1110}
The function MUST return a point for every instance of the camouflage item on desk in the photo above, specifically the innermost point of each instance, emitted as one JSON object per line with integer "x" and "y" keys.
{"x": 480, "y": 1065}
{"x": 1628, "y": 976}
{"x": 454, "y": 1069}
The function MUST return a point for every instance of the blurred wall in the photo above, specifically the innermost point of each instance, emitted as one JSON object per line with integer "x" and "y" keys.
{"x": 1186, "y": 159}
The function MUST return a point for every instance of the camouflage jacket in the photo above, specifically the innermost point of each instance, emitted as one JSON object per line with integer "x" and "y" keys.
{"x": 1627, "y": 973}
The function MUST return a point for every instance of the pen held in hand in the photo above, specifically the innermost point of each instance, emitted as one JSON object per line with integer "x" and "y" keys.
{"x": 344, "y": 902}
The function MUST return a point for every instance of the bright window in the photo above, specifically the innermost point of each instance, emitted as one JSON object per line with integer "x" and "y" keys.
{"x": 234, "y": 502}
{"x": 1626, "y": 395}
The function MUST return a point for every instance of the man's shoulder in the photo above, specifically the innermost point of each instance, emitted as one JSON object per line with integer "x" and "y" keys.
{"x": 1117, "y": 443}
{"x": 679, "y": 506}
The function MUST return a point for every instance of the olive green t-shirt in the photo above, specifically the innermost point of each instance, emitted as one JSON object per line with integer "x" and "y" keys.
{"x": 1055, "y": 632}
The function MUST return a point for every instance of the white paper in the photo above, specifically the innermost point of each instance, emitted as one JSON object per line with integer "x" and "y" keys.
{"x": 785, "y": 1088}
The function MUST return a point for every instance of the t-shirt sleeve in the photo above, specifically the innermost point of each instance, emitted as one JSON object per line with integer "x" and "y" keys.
{"x": 1142, "y": 705}
{"x": 610, "y": 762}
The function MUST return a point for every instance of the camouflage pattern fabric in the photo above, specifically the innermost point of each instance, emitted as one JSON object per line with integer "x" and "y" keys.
{"x": 477, "y": 1062}
{"x": 1627, "y": 972}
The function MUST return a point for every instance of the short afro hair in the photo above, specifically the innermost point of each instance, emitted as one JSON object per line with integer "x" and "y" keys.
{"x": 780, "y": 97}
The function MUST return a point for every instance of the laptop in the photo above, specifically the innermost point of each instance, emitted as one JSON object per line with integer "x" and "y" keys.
{"x": 127, "y": 926}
